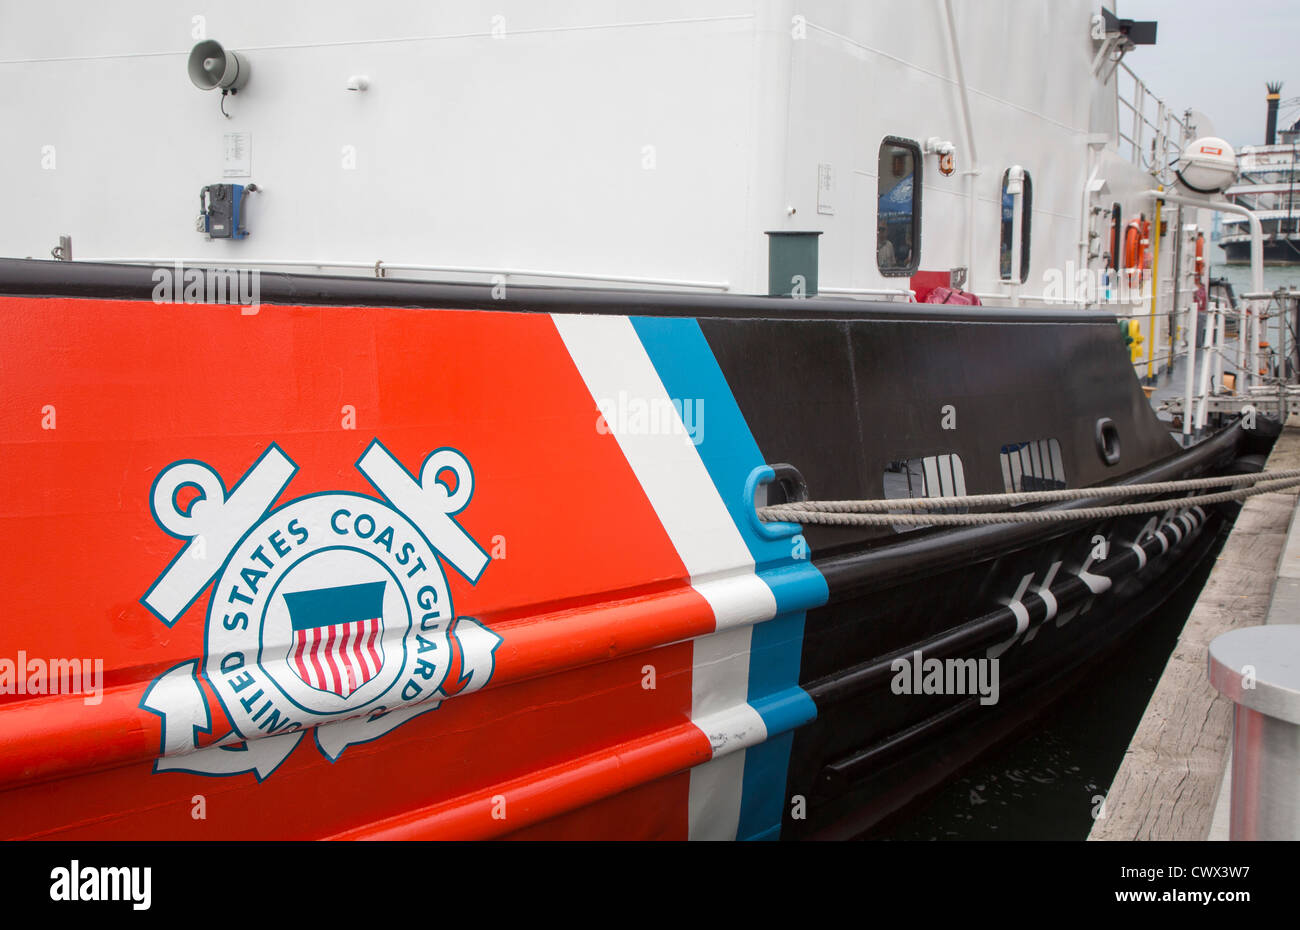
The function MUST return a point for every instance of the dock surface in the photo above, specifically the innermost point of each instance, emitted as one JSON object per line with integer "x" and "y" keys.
{"x": 1169, "y": 784}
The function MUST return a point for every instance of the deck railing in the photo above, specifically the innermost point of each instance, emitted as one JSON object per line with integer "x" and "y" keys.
{"x": 1151, "y": 135}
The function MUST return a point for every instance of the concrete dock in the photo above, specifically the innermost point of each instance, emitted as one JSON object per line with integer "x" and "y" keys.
{"x": 1172, "y": 783}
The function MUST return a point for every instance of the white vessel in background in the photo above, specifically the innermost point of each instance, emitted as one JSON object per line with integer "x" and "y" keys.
{"x": 1268, "y": 186}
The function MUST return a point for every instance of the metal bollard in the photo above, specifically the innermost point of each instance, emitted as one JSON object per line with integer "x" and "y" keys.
{"x": 1258, "y": 668}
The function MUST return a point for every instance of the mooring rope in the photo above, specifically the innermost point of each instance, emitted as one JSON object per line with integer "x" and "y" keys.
{"x": 903, "y": 511}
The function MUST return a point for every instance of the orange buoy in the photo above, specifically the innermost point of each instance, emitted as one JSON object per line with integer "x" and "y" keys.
{"x": 1136, "y": 236}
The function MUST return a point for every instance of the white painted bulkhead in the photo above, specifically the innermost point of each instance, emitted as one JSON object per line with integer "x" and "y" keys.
{"x": 633, "y": 139}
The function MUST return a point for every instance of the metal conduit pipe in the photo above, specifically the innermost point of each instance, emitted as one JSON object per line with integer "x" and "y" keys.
{"x": 967, "y": 127}
{"x": 1222, "y": 206}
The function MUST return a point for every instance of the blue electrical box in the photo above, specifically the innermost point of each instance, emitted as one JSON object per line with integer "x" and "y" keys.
{"x": 221, "y": 210}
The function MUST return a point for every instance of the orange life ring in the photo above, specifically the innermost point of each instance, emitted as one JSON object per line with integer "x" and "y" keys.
{"x": 1200, "y": 256}
{"x": 1132, "y": 244}
{"x": 1135, "y": 246}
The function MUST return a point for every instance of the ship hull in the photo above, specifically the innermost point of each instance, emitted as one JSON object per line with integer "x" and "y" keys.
{"x": 862, "y": 774}
{"x": 586, "y": 631}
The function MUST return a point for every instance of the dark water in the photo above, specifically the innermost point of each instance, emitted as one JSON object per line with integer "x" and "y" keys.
{"x": 1275, "y": 276}
{"x": 1042, "y": 785}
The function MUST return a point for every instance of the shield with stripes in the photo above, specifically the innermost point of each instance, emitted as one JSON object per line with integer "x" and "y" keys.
{"x": 338, "y": 635}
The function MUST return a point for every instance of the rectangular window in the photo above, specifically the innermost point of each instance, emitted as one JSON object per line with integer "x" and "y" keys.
{"x": 930, "y": 476}
{"x": 1032, "y": 466}
{"x": 898, "y": 207}
{"x": 1008, "y": 224}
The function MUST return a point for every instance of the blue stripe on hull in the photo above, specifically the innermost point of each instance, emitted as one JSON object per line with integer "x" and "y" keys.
{"x": 689, "y": 371}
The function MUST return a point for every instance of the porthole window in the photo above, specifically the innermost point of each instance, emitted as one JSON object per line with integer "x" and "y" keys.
{"x": 1008, "y": 223}
{"x": 898, "y": 207}
{"x": 1116, "y": 231}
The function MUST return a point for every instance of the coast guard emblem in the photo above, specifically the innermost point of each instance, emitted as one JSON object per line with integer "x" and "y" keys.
{"x": 337, "y": 646}
{"x": 330, "y": 613}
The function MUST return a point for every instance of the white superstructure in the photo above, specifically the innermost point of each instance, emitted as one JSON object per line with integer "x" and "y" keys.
{"x": 632, "y": 142}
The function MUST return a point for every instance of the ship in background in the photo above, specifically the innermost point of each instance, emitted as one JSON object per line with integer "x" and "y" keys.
{"x": 1267, "y": 185}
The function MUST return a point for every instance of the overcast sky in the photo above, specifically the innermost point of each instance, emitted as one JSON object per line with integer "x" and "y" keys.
{"x": 1216, "y": 55}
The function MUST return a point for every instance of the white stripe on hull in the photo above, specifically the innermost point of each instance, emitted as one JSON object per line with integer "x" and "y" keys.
{"x": 611, "y": 359}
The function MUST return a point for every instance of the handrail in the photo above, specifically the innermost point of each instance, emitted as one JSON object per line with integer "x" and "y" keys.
{"x": 1167, "y": 130}
{"x": 869, "y": 291}
{"x": 972, "y": 172}
{"x": 1256, "y": 228}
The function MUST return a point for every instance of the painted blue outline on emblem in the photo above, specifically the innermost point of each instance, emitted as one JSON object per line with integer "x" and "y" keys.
{"x": 181, "y": 553}
{"x": 492, "y": 653}
{"x": 207, "y": 624}
{"x": 207, "y": 712}
{"x": 261, "y": 629}
{"x": 418, "y": 484}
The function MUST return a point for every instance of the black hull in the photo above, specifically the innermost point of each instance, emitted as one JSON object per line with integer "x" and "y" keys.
{"x": 903, "y": 766}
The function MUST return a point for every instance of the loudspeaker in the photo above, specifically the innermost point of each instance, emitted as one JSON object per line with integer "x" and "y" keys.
{"x": 210, "y": 66}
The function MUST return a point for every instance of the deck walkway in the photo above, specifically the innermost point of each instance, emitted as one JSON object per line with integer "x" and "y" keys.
{"x": 1168, "y": 786}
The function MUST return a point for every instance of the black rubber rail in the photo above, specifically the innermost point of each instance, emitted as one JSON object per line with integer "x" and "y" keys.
{"x": 1000, "y": 624}
{"x": 43, "y": 278}
{"x": 839, "y": 775}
